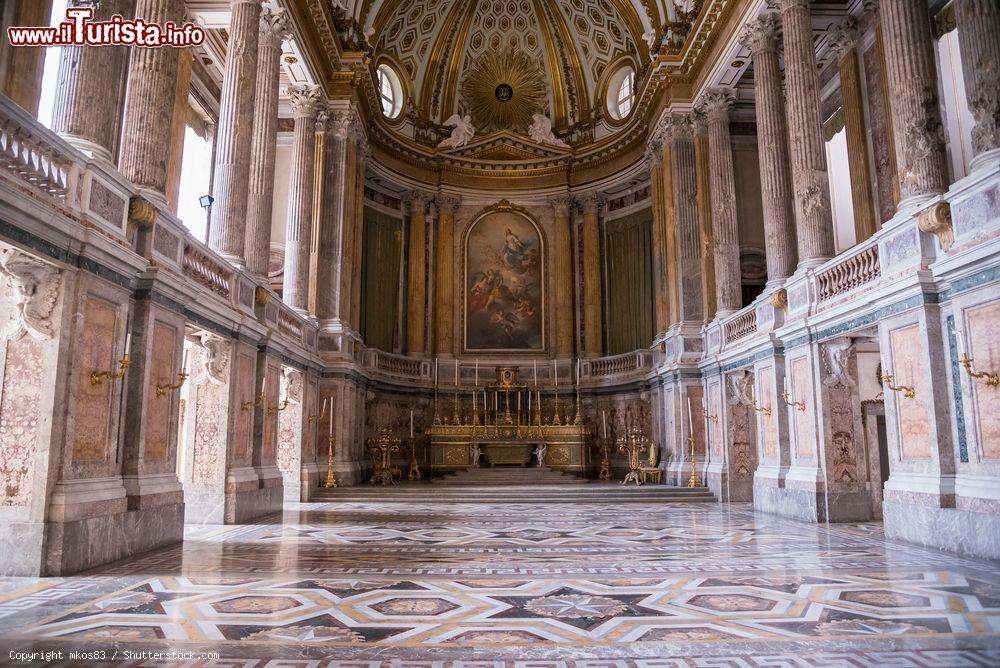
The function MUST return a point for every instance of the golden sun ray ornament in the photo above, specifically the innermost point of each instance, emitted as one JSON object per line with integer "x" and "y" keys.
{"x": 503, "y": 89}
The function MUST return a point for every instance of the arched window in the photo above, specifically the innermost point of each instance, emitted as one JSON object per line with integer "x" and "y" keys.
{"x": 390, "y": 91}
{"x": 621, "y": 93}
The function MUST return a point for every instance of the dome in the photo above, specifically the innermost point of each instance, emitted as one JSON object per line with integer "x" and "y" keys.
{"x": 503, "y": 61}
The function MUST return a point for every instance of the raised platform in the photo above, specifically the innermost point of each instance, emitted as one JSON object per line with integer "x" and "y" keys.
{"x": 580, "y": 491}
{"x": 508, "y": 475}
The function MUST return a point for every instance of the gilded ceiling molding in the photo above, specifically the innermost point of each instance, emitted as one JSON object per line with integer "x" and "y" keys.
{"x": 493, "y": 69}
{"x": 563, "y": 93}
{"x": 445, "y": 59}
{"x": 634, "y": 24}
{"x": 579, "y": 103}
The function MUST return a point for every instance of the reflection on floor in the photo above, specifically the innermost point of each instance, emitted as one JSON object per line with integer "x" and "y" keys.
{"x": 576, "y": 585}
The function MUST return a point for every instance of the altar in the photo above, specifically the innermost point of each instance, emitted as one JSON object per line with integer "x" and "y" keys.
{"x": 506, "y": 423}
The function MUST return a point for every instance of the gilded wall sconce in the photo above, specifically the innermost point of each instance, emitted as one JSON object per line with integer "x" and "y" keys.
{"x": 277, "y": 409}
{"x": 799, "y": 405}
{"x": 96, "y": 377}
{"x": 713, "y": 418}
{"x": 907, "y": 391}
{"x": 761, "y": 409}
{"x": 247, "y": 405}
{"x": 162, "y": 389}
{"x": 992, "y": 378}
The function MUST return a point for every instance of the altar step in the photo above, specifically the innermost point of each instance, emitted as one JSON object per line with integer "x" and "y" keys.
{"x": 582, "y": 492}
{"x": 498, "y": 475}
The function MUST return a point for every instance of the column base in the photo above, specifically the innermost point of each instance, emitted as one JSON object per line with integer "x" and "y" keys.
{"x": 249, "y": 496}
{"x": 311, "y": 478}
{"x": 726, "y": 488}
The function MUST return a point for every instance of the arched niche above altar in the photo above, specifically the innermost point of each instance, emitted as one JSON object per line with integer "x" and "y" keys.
{"x": 503, "y": 284}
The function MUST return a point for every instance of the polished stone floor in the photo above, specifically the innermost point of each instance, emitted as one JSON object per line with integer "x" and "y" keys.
{"x": 372, "y": 584}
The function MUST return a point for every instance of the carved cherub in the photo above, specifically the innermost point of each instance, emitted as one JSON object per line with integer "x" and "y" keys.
{"x": 540, "y": 131}
{"x": 461, "y": 134}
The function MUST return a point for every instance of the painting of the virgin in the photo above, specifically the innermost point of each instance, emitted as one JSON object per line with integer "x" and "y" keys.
{"x": 503, "y": 284}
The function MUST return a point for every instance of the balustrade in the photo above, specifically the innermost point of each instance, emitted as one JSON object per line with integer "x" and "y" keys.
{"x": 741, "y": 325}
{"x": 849, "y": 273}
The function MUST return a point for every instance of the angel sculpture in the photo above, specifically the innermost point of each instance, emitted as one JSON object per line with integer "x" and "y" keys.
{"x": 462, "y": 133}
{"x": 540, "y": 131}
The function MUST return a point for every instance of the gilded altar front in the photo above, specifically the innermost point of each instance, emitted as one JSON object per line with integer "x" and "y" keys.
{"x": 459, "y": 446}
{"x": 507, "y": 426}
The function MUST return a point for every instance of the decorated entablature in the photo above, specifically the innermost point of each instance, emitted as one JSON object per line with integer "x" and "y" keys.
{"x": 559, "y": 61}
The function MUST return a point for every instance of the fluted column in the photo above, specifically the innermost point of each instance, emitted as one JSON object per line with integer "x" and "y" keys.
{"x": 761, "y": 37}
{"x": 298, "y": 228}
{"x": 444, "y": 273}
{"x": 679, "y": 138}
{"x": 704, "y": 188}
{"x": 330, "y": 298}
{"x": 979, "y": 43}
{"x": 90, "y": 86}
{"x": 227, "y": 232}
{"x": 810, "y": 183}
{"x": 844, "y": 39}
{"x": 725, "y": 238}
{"x": 358, "y": 194}
{"x": 149, "y": 105}
{"x": 916, "y": 117}
{"x": 563, "y": 263}
{"x": 592, "y": 334}
{"x": 416, "y": 249}
{"x": 273, "y": 31}
{"x": 22, "y": 75}
{"x": 348, "y": 241}
{"x": 654, "y": 162}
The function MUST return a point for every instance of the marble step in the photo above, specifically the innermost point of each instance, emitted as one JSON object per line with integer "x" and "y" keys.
{"x": 603, "y": 493}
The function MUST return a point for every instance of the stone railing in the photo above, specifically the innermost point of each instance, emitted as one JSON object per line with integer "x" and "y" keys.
{"x": 859, "y": 268}
{"x": 619, "y": 365}
{"x": 741, "y": 325}
{"x": 207, "y": 270}
{"x": 290, "y": 323}
{"x": 395, "y": 365}
{"x": 31, "y": 153}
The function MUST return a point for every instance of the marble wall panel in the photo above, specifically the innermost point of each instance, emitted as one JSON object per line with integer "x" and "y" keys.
{"x": 98, "y": 350}
{"x": 982, "y": 344}
{"x": 163, "y": 369}
{"x": 908, "y": 369}
{"x": 714, "y": 409}
{"x": 243, "y": 429}
{"x": 802, "y": 421}
{"x": 768, "y": 423}
{"x": 272, "y": 400}
{"x": 20, "y": 413}
{"x": 209, "y": 453}
{"x": 694, "y": 396}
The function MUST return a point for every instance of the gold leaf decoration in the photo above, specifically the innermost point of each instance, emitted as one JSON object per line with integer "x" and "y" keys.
{"x": 526, "y": 92}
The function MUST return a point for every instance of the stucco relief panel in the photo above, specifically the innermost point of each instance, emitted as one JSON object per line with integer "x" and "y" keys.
{"x": 20, "y": 412}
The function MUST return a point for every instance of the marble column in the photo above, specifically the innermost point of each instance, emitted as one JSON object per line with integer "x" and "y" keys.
{"x": 231, "y": 180}
{"x": 444, "y": 268}
{"x": 358, "y": 194}
{"x": 979, "y": 43}
{"x": 273, "y": 31}
{"x": 725, "y": 238}
{"x": 845, "y": 42}
{"x": 592, "y": 335}
{"x": 22, "y": 74}
{"x": 416, "y": 299}
{"x": 703, "y": 184}
{"x": 679, "y": 138}
{"x": 810, "y": 183}
{"x": 661, "y": 304}
{"x": 563, "y": 270}
{"x": 761, "y": 37}
{"x": 149, "y": 104}
{"x": 90, "y": 86}
{"x": 916, "y": 113}
{"x": 298, "y": 228}
{"x": 330, "y": 298}
{"x": 347, "y": 245}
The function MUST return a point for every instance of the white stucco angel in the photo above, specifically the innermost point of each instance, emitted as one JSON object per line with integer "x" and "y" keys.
{"x": 540, "y": 131}
{"x": 462, "y": 133}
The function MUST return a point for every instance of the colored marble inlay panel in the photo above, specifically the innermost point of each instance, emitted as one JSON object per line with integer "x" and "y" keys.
{"x": 769, "y": 427}
{"x": 714, "y": 437}
{"x": 20, "y": 412}
{"x": 162, "y": 371}
{"x": 695, "y": 393}
{"x": 244, "y": 419}
{"x": 209, "y": 443}
{"x": 982, "y": 325}
{"x": 802, "y": 421}
{"x": 956, "y": 390}
{"x": 106, "y": 204}
{"x": 270, "y": 439}
{"x": 908, "y": 370}
{"x": 92, "y": 415}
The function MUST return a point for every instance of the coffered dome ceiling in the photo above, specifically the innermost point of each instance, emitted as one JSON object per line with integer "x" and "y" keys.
{"x": 450, "y": 52}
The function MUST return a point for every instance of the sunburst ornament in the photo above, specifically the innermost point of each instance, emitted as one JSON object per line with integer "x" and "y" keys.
{"x": 503, "y": 89}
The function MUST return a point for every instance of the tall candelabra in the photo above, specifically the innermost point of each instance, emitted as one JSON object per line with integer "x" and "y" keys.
{"x": 695, "y": 479}
{"x": 633, "y": 443}
{"x": 383, "y": 445}
{"x": 331, "y": 479}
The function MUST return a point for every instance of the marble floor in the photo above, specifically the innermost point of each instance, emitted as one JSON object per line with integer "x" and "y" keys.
{"x": 373, "y": 584}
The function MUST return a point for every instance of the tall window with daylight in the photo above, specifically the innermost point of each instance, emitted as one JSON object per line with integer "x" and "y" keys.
{"x": 390, "y": 91}
{"x": 196, "y": 175}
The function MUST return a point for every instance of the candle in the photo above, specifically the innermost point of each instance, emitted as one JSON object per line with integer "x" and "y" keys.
{"x": 456, "y": 373}
{"x": 331, "y": 416}
{"x": 322, "y": 413}
{"x": 263, "y": 384}
{"x": 555, "y": 373}
{"x": 411, "y": 423}
{"x": 475, "y": 411}
{"x": 604, "y": 419}
{"x": 529, "y": 404}
{"x": 534, "y": 369}
{"x": 435, "y": 371}
{"x": 690, "y": 419}
{"x": 578, "y": 371}
{"x": 496, "y": 401}
{"x": 477, "y": 373}
{"x": 519, "y": 401}
{"x": 184, "y": 364}
{"x": 128, "y": 343}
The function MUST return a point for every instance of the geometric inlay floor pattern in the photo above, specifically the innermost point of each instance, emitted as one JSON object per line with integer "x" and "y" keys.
{"x": 538, "y": 586}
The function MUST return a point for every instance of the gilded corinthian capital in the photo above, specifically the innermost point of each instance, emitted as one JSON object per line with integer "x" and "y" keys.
{"x": 305, "y": 100}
